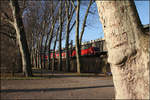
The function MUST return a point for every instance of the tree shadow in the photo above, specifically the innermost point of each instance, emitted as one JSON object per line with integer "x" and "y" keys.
{"x": 53, "y": 89}
{"x": 64, "y": 76}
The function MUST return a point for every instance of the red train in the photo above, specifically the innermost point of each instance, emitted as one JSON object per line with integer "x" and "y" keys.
{"x": 91, "y": 51}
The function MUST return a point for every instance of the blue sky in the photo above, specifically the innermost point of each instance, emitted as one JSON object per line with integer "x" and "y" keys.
{"x": 94, "y": 28}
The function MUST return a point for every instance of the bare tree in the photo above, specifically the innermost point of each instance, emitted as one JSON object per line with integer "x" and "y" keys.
{"x": 77, "y": 37}
{"x": 69, "y": 14}
{"x": 21, "y": 37}
{"x": 54, "y": 48}
{"x": 54, "y": 22}
{"x": 128, "y": 48}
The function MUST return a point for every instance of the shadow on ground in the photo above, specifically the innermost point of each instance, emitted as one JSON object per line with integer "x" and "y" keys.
{"x": 52, "y": 89}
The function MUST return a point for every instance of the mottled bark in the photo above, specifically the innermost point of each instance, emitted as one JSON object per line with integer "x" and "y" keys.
{"x": 21, "y": 38}
{"x": 128, "y": 48}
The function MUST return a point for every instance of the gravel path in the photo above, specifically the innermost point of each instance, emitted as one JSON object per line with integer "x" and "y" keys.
{"x": 58, "y": 88}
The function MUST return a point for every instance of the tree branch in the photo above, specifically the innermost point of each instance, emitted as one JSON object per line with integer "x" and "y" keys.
{"x": 72, "y": 26}
{"x": 8, "y": 35}
{"x": 73, "y": 4}
{"x": 84, "y": 22}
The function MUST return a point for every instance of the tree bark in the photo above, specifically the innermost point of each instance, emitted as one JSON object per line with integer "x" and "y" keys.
{"x": 21, "y": 38}
{"x": 128, "y": 48}
{"x": 77, "y": 37}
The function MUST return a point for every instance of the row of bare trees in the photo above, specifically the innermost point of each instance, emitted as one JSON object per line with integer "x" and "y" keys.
{"x": 39, "y": 25}
{"x": 34, "y": 25}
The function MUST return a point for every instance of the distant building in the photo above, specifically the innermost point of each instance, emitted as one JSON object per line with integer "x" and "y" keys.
{"x": 99, "y": 43}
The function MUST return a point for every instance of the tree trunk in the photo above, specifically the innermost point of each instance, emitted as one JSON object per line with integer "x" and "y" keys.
{"x": 35, "y": 57}
{"x": 128, "y": 48}
{"x": 67, "y": 36}
{"x": 60, "y": 36}
{"x": 41, "y": 50}
{"x": 50, "y": 40}
{"x": 53, "y": 64}
{"x": 38, "y": 63}
{"x": 39, "y": 53}
{"x": 21, "y": 38}
{"x": 77, "y": 37}
{"x": 45, "y": 51}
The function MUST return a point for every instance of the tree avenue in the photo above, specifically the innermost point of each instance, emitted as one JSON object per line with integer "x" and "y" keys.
{"x": 128, "y": 48}
{"x": 36, "y": 26}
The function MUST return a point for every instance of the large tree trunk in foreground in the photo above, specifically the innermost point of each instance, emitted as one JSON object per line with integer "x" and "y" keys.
{"x": 128, "y": 48}
{"x": 21, "y": 38}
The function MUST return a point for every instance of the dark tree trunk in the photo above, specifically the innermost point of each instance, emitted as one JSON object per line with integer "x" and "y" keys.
{"x": 41, "y": 50}
{"x": 67, "y": 37}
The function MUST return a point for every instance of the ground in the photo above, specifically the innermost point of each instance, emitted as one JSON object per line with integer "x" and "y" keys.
{"x": 59, "y": 87}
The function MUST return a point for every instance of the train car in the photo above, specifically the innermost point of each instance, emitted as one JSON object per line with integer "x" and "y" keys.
{"x": 91, "y": 51}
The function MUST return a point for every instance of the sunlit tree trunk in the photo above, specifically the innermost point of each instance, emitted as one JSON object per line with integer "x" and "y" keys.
{"x": 77, "y": 37}
{"x": 21, "y": 38}
{"x": 128, "y": 48}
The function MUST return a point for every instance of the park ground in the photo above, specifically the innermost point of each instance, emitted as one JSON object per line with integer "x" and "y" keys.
{"x": 58, "y": 86}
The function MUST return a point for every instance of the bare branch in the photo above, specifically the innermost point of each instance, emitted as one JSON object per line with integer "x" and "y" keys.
{"x": 9, "y": 35}
{"x": 72, "y": 2}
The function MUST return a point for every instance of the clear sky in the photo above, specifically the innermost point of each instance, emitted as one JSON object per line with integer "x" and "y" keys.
{"x": 94, "y": 28}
